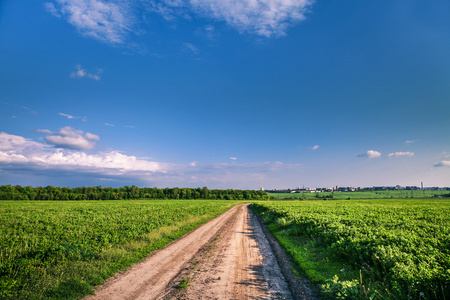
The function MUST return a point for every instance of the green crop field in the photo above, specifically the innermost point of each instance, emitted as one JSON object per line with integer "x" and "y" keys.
{"x": 396, "y": 194}
{"x": 367, "y": 249}
{"x": 59, "y": 250}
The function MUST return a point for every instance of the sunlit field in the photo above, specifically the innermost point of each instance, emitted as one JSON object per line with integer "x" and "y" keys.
{"x": 375, "y": 249}
{"x": 59, "y": 250}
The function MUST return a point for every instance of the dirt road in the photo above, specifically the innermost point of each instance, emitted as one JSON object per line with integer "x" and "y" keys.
{"x": 226, "y": 258}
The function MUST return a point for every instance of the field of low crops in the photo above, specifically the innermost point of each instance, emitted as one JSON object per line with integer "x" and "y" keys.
{"x": 370, "y": 249}
{"x": 60, "y": 250}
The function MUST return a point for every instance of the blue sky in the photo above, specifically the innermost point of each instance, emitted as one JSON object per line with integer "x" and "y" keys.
{"x": 225, "y": 94}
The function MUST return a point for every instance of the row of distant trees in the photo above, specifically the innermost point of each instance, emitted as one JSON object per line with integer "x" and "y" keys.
{"x": 9, "y": 192}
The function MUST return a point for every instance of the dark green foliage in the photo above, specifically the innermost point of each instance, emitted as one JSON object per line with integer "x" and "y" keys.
{"x": 69, "y": 289}
{"x": 9, "y": 192}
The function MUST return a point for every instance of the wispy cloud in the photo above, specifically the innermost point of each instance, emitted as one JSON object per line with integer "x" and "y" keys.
{"x": 70, "y": 138}
{"x": 50, "y": 7}
{"x": 28, "y": 109}
{"x": 169, "y": 9}
{"x": 209, "y": 32}
{"x": 67, "y": 116}
{"x": 371, "y": 154}
{"x": 410, "y": 142}
{"x": 443, "y": 163}
{"x": 191, "y": 48}
{"x": 266, "y": 18}
{"x": 113, "y": 22}
{"x": 107, "y": 21}
{"x": 71, "y": 117}
{"x": 315, "y": 147}
{"x": 21, "y": 107}
{"x": 80, "y": 73}
{"x": 400, "y": 154}
{"x": 233, "y": 158}
{"x": 110, "y": 125}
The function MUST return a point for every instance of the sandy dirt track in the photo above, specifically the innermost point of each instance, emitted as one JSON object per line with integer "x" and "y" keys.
{"x": 227, "y": 258}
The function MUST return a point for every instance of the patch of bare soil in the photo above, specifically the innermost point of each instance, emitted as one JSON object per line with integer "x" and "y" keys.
{"x": 226, "y": 258}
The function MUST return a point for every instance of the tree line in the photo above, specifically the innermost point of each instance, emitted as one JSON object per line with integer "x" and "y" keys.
{"x": 9, "y": 192}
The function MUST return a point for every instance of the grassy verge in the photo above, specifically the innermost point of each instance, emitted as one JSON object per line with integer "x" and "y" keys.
{"x": 60, "y": 250}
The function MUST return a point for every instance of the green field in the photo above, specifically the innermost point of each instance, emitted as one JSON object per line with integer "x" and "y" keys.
{"x": 59, "y": 250}
{"x": 367, "y": 249}
{"x": 397, "y": 194}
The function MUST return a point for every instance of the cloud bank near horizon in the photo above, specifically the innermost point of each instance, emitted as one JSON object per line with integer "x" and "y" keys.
{"x": 19, "y": 154}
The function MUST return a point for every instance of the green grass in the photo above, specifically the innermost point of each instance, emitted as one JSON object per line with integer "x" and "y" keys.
{"x": 184, "y": 283}
{"x": 398, "y": 194}
{"x": 373, "y": 249}
{"x": 59, "y": 250}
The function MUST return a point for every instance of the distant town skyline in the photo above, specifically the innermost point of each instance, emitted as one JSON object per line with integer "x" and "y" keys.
{"x": 224, "y": 94}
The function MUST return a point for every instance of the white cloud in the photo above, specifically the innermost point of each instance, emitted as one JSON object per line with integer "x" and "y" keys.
{"x": 110, "y": 125}
{"x": 443, "y": 163}
{"x": 22, "y": 156}
{"x": 207, "y": 31}
{"x": 371, "y": 154}
{"x": 46, "y": 131}
{"x": 265, "y": 17}
{"x": 107, "y": 21}
{"x": 410, "y": 142}
{"x": 191, "y": 47}
{"x": 109, "y": 160}
{"x": 13, "y": 143}
{"x": 67, "y": 116}
{"x": 233, "y": 158}
{"x": 18, "y": 150}
{"x": 94, "y": 76}
{"x": 400, "y": 154}
{"x": 315, "y": 147}
{"x": 113, "y": 21}
{"x": 24, "y": 107}
{"x": 169, "y": 9}
{"x": 80, "y": 73}
{"x": 70, "y": 138}
{"x": 72, "y": 117}
{"x": 50, "y": 7}
{"x": 92, "y": 137}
